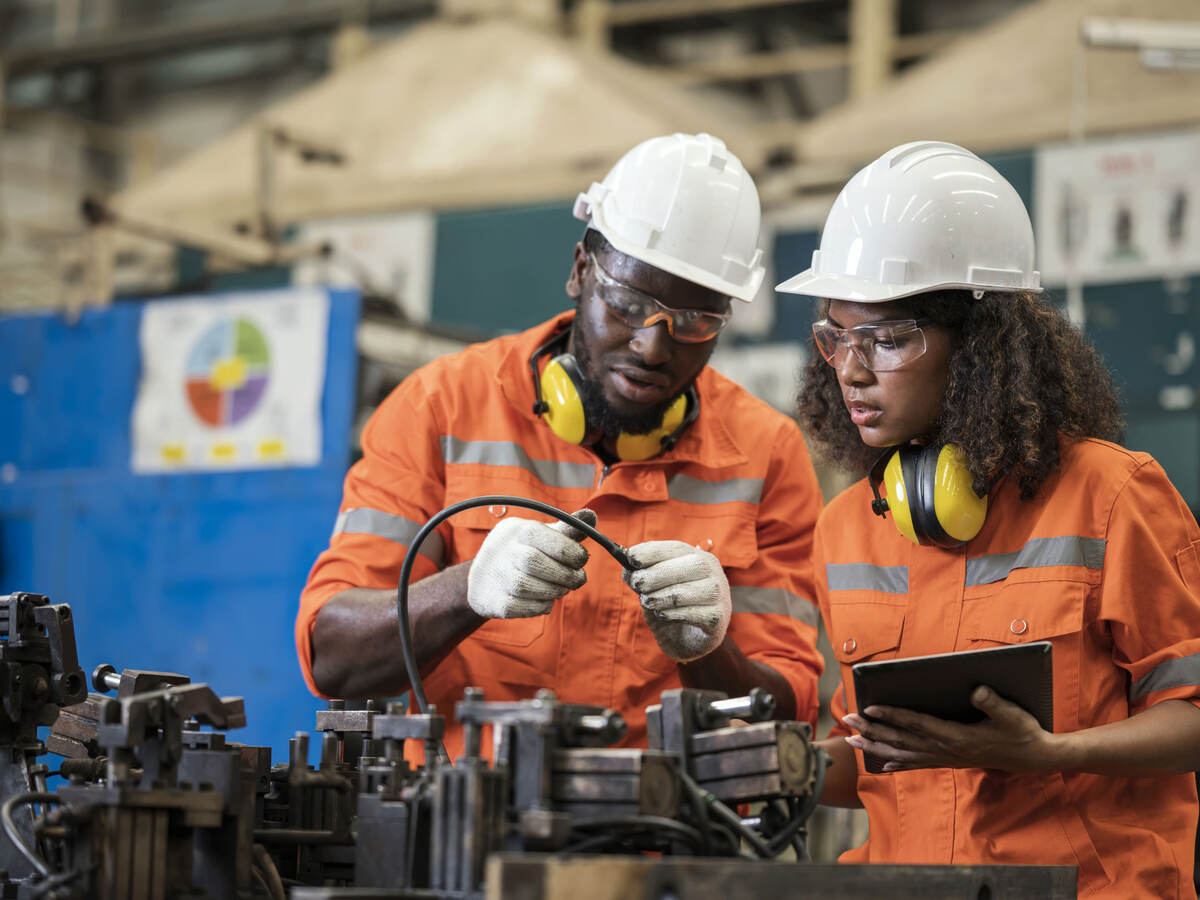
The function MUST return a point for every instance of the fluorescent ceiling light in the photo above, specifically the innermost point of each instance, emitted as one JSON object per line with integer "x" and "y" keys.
{"x": 1141, "y": 34}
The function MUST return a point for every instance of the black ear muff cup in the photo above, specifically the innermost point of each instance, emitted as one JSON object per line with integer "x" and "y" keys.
{"x": 927, "y": 508}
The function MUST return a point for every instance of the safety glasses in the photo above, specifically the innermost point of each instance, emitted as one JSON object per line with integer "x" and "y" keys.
{"x": 639, "y": 310}
{"x": 880, "y": 347}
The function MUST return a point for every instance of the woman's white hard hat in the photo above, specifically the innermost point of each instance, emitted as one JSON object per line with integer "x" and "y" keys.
{"x": 925, "y": 216}
{"x": 685, "y": 204}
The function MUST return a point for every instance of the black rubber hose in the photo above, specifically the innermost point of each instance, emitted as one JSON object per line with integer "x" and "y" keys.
{"x": 628, "y": 826}
{"x": 410, "y": 660}
{"x": 10, "y": 828}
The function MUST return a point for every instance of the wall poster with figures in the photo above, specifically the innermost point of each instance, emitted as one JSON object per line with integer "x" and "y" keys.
{"x": 1120, "y": 209}
{"x": 231, "y": 382}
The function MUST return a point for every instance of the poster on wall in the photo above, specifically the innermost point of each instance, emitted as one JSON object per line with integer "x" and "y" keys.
{"x": 386, "y": 256}
{"x": 1125, "y": 209}
{"x": 231, "y": 382}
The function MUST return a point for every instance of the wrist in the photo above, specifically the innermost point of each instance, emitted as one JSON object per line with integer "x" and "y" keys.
{"x": 1062, "y": 752}
{"x": 707, "y": 658}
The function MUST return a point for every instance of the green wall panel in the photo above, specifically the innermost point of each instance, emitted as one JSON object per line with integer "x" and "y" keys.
{"x": 503, "y": 270}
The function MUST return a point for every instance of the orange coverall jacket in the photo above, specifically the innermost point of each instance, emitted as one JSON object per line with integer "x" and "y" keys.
{"x": 1104, "y": 562}
{"x": 739, "y": 483}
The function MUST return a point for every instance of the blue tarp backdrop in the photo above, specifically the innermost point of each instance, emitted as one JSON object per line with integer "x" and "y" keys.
{"x": 191, "y": 573}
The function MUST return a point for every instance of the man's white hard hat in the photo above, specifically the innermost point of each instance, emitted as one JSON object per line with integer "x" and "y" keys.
{"x": 684, "y": 204}
{"x": 925, "y": 216}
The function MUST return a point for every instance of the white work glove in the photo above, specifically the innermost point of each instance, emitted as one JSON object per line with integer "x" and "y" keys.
{"x": 524, "y": 566}
{"x": 685, "y": 596}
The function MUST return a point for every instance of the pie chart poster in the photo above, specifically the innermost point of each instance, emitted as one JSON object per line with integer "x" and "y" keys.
{"x": 197, "y": 567}
{"x": 231, "y": 382}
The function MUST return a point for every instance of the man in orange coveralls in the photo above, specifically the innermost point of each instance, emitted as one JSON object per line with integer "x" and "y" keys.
{"x": 932, "y": 337}
{"x": 647, "y": 438}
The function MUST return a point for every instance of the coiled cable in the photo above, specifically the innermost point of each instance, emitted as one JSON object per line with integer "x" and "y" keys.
{"x": 615, "y": 550}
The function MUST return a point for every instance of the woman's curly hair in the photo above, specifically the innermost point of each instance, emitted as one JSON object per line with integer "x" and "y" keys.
{"x": 1020, "y": 376}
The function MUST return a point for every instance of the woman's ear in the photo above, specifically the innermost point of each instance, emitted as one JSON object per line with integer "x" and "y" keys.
{"x": 574, "y": 286}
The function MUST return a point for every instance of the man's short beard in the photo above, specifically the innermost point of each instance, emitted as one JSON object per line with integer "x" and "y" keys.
{"x": 598, "y": 412}
{"x": 600, "y": 415}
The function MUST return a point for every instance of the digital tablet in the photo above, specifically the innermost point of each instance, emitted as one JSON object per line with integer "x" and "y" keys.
{"x": 941, "y": 685}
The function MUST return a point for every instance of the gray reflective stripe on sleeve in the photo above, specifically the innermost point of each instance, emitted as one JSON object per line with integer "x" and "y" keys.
{"x": 748, "y": 599}
{"x": 1182, "y": 672}
{"x": 1068, "y": 550}
{"x": 506, "y": 453}
{"x": 393, "y": 528}
{"x": 866, "y": 577}
{"x": 695, "y": 490}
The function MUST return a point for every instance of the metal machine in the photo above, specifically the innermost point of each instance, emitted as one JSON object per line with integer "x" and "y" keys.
{"x": 159, "y": 805}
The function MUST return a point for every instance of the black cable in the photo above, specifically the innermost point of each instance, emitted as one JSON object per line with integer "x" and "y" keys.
{"x": 731, "y": 840}
{"x": 410, "y": 557}
{"x": 784, "y": 837}
{"x": 638, "y": 823}
{"x": 727, "y": 816}
{"x": 703, "y": 822}
{"x": 589, "y": 845}
{"x": 10, "y": 827}
{"x": 264, "y": 867}
{"x": 54, "y": 882}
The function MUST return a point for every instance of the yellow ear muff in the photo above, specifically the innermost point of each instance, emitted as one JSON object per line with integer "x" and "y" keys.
{"x": 560, "y": 391}
{"x": 930, "y": 495}
{"x": 643, "y": 446}
{"x": 960, "y": 511}
{"x": 560, "y": 403}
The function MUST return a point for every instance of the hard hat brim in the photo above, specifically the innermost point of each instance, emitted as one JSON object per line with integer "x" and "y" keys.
{"x": 846, "y": 287}
{"x": 867, "y": 290}
{"x": 744, "y": 292}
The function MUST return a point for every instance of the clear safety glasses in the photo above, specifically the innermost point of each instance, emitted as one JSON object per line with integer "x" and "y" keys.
{"x": 880, "y": 347}
{"x": 639, "y": 310}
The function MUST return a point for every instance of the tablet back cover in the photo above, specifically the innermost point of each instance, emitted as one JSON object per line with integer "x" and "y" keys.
{"x": 941, "y": 685}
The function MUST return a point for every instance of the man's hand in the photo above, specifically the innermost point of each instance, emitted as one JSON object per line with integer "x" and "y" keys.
{"x": 524, "y": 566}
{"x": 685, "y": 597}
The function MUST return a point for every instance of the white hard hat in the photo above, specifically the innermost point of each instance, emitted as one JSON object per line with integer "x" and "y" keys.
{"x": 924, "y": 216}
{"x": 684, "y": 204}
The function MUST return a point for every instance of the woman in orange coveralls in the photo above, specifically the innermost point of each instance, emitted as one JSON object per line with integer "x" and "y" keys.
{"x": 932, "y": 333}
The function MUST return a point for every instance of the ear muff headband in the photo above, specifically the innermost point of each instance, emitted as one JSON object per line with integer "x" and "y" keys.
{"x": 559, "y": 388}
{"x": 924, "y": 513}
{"x": 930, "y": 495}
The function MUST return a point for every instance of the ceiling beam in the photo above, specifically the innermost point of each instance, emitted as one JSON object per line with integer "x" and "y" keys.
{"x": 130, "y": 43}
{"x": 747, "y": 66}
{"x": 593, "y": 20}
{"x": 814, "y": 57}
{"x": 873, "y": 26}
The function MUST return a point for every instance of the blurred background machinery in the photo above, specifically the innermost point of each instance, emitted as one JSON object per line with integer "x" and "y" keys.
{"x": 420, "y": 159}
